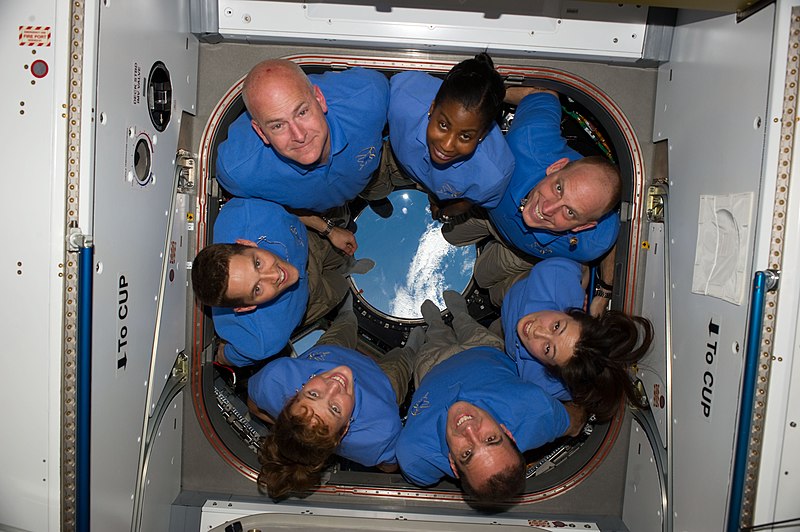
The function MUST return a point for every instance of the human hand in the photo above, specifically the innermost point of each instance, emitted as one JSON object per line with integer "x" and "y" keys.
{"x": 598, "y": 306}
{"x": 344, "y": 240}
{"x": 219, "y": 358}
{"x": 514, "y": 95}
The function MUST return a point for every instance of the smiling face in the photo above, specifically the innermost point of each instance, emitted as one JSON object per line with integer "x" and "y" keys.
{"x": 289, "y": 115}
{"x": 327, "y": 398}
{"x": 567, "y": 199}
{"x": 256, "y": 276}
{"x": 479, "y": 445}
{"x": 453, "y": 132}
{"x": 550, "y": 336}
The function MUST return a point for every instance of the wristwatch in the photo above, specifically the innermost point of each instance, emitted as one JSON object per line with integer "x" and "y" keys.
{"x": 599, "y": 291}
{"x": 328, "y": 227}
{"x": 602, "y": 289}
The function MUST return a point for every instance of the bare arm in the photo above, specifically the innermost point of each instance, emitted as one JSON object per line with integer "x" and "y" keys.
{"x": 600, "y": 301}
{"x": 340, "y": 238}
{"x": 219, "y": 358}
{"x": 514, "y": 95}
{"x": 259, "y": 413}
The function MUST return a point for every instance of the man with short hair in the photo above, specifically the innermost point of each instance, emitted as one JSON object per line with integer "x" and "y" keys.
{"x": 264, "y": 276}
{"x": 557, "y": 204}
{"x": 310, "y": 143}
{"x": 471, "y": 414}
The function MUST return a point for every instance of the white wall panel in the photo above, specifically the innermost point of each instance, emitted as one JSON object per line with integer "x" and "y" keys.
{"x": 33, "y": 58}
{"x": 711, "y": 105}
{"x": 130, "y": 235}
{"x": 553, "y": 27}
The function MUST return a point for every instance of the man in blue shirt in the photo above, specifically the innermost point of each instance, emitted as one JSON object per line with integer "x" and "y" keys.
{"x": 310, "y": 143}
{"x": 263, "y": 276}
{"x": 557, "y": 204}
{"x": 470, "y": 418}
{"x": 472, "y": 415}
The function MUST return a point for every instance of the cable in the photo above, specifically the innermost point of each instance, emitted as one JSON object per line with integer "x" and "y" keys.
{"x": 764, "y": 526}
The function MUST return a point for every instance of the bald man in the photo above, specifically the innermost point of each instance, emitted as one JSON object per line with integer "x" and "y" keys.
{"x": 557, "y": 204}
{"x": 309, "y": 143}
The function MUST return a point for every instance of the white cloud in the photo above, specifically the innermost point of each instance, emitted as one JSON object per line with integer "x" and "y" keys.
{"x": 425, "y": 277}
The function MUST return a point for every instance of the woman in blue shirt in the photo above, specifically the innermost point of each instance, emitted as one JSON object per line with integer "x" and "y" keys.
{"x": 569, "y": 353}
{"x": 331, "y": 399}
{"x": 444, "y": 136}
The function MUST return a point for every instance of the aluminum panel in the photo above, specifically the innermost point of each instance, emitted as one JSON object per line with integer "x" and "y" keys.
{"x": 778, "y": 483}
{"x": 163, "y": 476}
{"x": 645, "y": 495}
{"x": 652, "y": 369}
{"x": 172, "y": 319}
{"x": 553, "y": 27}
{"x": 711, "y": 104}
{"x": 131, "y": 213}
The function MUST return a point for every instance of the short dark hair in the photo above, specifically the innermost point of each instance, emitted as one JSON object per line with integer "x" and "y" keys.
{"x": 210, "y": 270}
{"x": 477, "y": 86}
{"x": 294, "y": 455}
{"x": 498, "y": 488}
{"x": 598, "y": 375}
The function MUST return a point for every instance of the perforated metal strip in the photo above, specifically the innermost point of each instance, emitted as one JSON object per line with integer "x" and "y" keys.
{"x": 71, "y": 110}
{"x": 789, "y": 123}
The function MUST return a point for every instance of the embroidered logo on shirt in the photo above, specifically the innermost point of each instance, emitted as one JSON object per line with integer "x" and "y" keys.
{"x": 297, "y": 238}
{"x": 317, "y": 354}
{"x": 448, "y": 190}
{"x": 266, "y": 240}
{"x": 419, "y": 405}
{"x": 366, "y": 155}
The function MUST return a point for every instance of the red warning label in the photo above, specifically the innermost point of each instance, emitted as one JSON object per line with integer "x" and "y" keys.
{"x": 34, "y": 35}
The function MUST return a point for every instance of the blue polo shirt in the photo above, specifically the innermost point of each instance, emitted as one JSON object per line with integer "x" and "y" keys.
{"x": 536, "y": 142}
{"x": 357, "y": 102}
{"x": 262, "y": 332}
{"x": 487, "y": 378}
{"x": 481, "y": 178}
{"x": 376, "y": 425}
{"x": 552, "y": 284}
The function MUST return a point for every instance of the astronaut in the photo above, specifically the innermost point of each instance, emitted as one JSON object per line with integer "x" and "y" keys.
{"x": 331, "y": 399}
{"x": 444, "y": 136}
{"x": 471, "y": 415}
{"x": 310, "y": 143}
{"x": 556, "y": 205}
{"x": 487, "y": 416}
{"x": 264, "y": 276}
{"x": 572, "y": 355}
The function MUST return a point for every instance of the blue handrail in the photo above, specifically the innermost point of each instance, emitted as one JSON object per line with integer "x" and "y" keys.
{"x": 762, "y": 282}
{"x": 83, "y": 387}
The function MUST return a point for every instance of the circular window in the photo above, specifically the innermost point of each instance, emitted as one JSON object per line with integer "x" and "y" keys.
{"x": 413, "y": 262}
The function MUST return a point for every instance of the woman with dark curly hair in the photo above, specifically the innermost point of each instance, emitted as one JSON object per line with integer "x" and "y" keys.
{"x": 571, "y": 354}
{"x": 444, "y": 136}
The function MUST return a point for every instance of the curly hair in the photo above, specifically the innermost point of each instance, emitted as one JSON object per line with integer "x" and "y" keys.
{"x": 296, "y": 452}
{"x": 497, "y": 489}
{"x": 210, "y": 274}
{"x": 598, "y": 374}
{"x": 477, "y": 86}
